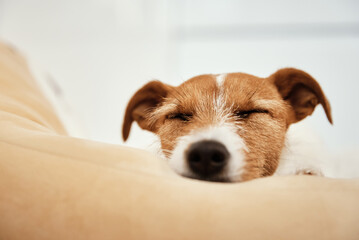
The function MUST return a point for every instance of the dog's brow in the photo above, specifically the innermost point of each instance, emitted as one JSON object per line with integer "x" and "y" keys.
{"x": 252, "y": 94}
{"x": 266, "y": 104}
{"x": 165, "y": 109}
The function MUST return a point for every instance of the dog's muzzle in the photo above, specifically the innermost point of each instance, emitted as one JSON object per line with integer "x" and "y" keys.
{"x": 207, "y": 158}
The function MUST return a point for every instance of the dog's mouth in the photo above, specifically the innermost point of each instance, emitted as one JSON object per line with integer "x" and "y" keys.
{"x": 220, "y": 179}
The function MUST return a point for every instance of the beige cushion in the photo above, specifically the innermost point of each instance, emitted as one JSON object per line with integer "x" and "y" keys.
{"x": 56, "y": 187}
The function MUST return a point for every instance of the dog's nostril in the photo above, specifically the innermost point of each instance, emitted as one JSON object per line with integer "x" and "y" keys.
{"x": 218, "y": 158}
{"x": 194, "y": 157}
{"x": 207, "y": 158}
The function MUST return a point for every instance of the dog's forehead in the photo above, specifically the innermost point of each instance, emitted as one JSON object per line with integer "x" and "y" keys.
{"x": 216, "y": 92}
{"x": 238, "y": 85}
{"x": 204, "y": 82}
{"x": 244, "y": 86}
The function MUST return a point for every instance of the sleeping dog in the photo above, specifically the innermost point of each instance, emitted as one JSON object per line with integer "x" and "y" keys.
{"x": 227, "y": 127}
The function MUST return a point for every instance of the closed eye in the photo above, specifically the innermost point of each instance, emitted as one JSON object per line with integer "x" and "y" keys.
{"x": 185, "y": 117}
{"x": 246, "y": 114}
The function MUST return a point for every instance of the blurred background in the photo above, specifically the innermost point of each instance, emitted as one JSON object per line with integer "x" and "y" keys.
{"x": 101, "y": 51}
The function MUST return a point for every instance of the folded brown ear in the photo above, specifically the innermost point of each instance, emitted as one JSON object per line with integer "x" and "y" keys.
{"x": 301, "y": 91}
{"x": 140, "y": 105}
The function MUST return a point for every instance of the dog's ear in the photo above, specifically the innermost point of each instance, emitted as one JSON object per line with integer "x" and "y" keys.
{"x": 141, "y": 104}
{"x": 301, "y": 91}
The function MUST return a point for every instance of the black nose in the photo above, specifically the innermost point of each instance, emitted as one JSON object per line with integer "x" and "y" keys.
{"x": 207, "y": 158}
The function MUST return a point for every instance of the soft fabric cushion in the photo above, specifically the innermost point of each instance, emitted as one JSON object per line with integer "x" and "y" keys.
{"x": 53, "y": 186}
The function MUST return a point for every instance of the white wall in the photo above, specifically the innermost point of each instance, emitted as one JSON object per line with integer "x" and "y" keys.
{"x": 100, "y": 51}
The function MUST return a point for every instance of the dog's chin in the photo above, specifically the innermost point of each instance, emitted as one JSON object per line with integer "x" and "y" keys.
{"x": 209, "y": 179}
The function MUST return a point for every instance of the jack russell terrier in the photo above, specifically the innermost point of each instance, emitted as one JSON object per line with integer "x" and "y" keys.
{"x": 228, "y": 127}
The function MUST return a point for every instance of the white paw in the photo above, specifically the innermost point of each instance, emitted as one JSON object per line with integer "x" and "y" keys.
{"x": 314, "y": 172}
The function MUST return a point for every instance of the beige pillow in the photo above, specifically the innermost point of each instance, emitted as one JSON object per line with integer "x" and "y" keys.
{"x": 56, "y": 187}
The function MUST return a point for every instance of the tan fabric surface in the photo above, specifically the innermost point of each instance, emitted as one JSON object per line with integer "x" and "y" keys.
{"x": 56, "y": 187}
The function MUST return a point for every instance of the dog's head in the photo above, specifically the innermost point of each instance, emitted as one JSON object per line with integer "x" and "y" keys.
{"x": 228, "y": 127}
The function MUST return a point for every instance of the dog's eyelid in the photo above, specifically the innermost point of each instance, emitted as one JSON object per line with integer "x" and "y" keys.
{"x": 180, "y": 116}
{"x": 259, "y": 110}
{"x": 247, "y": 113}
